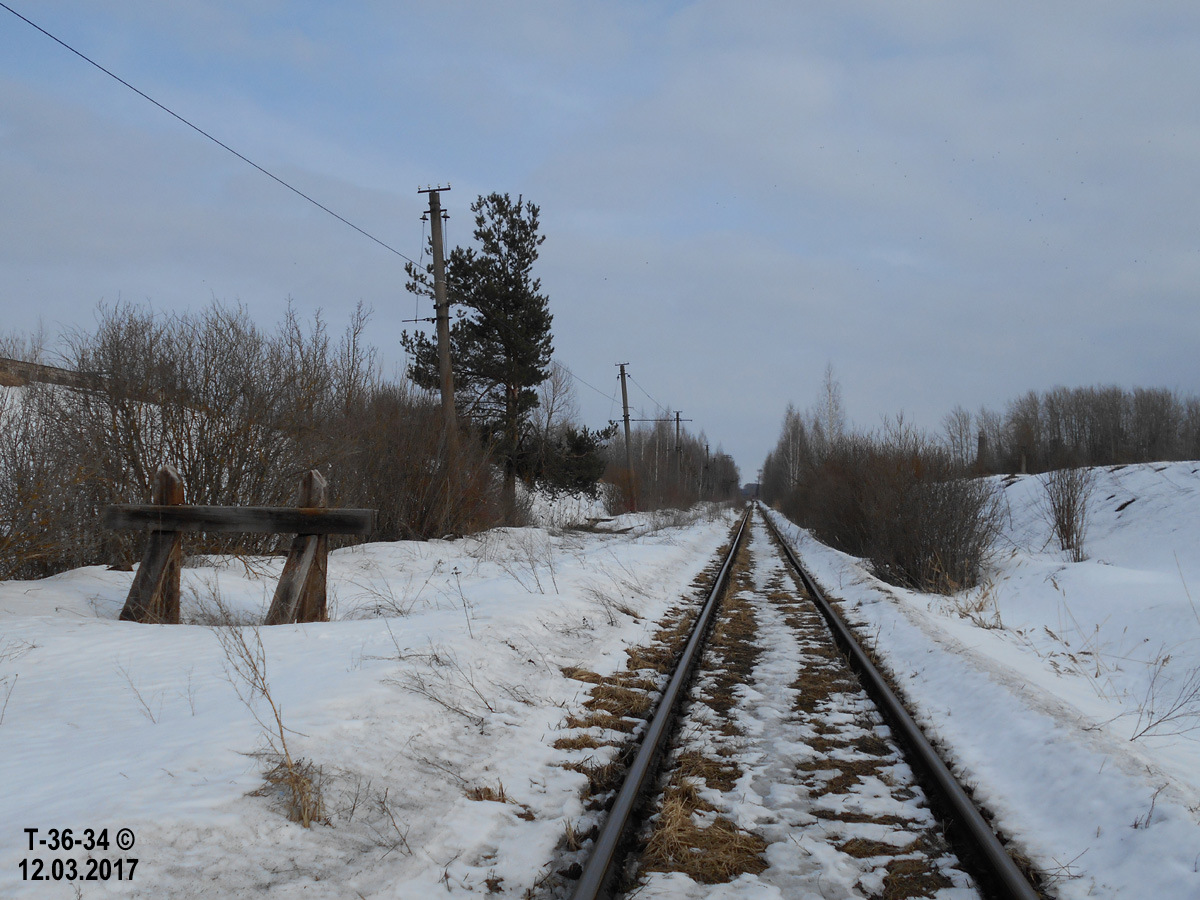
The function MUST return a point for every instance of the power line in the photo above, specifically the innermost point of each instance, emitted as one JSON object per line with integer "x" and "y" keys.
{"x": 584, "y": 383}
{"x": 200, "y": 130}
{"x": 647, "y": 393}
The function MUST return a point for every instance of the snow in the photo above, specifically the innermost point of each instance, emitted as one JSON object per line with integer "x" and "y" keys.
{"x": 439, "y": 674}
{"x": 562, "y": 510}
{"x": 777, "y": 796}
{"x": 1050, "y": 685}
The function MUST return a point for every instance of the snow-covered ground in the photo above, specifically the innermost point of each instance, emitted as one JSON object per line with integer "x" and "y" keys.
{"x": 1064, "y": 692}
{"x": 1067, "y": 693}
{"x": 809, "y": 767}
{"x": 438, "y": 680}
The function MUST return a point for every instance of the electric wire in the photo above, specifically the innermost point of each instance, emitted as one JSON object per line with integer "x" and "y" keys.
{"x": 563, "y": 366}
{"x": 611, "y": 397}
{"x": 417, "y": 294}
{"x": 201, "y": 131}
{"x": 647, "y": 393}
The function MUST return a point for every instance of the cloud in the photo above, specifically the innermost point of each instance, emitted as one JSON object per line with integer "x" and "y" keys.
{"x": 953, "y": 203}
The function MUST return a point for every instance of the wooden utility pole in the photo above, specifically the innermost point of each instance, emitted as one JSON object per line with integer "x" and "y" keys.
{"x": 679, "y": 447}
{"x": 442, "y": 312}
{"x": 628, "y": 443}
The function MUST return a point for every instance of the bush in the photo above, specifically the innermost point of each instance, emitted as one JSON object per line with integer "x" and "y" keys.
{"x": 241, "y": 413}
{"x": 896, "y": 499}
{"x": 1065, "y": 503}
{"x": 393, "y": 458}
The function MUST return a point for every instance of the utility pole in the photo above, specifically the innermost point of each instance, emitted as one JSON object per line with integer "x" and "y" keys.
{"x": 441, "y": 308}
{"x": 628, "y": 448}
{"x": 442, "y": 311}
{"x": 679, "y": 448}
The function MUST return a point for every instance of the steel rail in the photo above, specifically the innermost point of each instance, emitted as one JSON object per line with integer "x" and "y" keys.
{"x": 598, "y": 874}
{"x": 1007, "y": 879}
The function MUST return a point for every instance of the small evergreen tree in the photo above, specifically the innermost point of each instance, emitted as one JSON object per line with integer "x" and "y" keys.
{"x": 573, "y": 460}
{"x": 500, "y": 341}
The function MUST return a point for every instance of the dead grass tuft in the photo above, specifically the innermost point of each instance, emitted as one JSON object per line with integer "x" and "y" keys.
{"x": 712, "y": 853}
{"x": 636, "y": 682}
{"x": 578, "y": 742}
{"x": 912, "y": 878}
{"x": 620, "y": 701}
{"x": 299, "y": 786}
{"x": 861, "y": 848}
{"x": 601, "y": 720}
{"x": 583, "y": 675}
{"x": 847, "y": 773}
{"x": 872, "y": 745}
{"x": 495, "y": 794}
{"x": 718, "y": 774}
{"x": 862, "y": 818}
{"x": 603, "y": 778}
{"x": 576, "y": 840}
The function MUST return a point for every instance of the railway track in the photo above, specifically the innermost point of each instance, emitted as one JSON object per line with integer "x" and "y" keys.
{"x": 778, "y": 754}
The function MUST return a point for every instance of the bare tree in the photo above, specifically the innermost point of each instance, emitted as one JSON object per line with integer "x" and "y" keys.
{"x": 557, "y": 407}
{"x": 960, "y": 439}
{"x": 829, "y": 417}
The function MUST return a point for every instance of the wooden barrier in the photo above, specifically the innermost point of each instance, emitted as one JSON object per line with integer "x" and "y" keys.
{"x": 300, "y": 595}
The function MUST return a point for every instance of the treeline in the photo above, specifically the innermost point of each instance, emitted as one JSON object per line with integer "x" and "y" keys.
{"x": 1087, "y": 426}
{"x": 666, "y": 472}
{"x": 242, "y": 412}
{"x": 910, "y": 502}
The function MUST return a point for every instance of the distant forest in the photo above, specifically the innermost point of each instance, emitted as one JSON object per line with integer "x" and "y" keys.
{"x": 1089, "y": 426}
{"x": 897, "y": 495}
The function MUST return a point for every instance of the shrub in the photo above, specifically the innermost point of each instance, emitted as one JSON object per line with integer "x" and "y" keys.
{"x": 241, "y": 412}
{"x": 1065, "y": 503}
{"x": 897, "y": 499}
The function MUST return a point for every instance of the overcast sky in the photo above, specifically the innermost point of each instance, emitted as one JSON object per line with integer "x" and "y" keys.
{"x": 950, "y": 202}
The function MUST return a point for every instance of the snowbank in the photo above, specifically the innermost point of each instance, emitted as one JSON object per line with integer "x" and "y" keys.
{"x": 1067, "y": 694}
{"x": 438, "y": 678}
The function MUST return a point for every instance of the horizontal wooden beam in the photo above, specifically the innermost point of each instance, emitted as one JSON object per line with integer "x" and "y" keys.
{"x": 246, "y": 519}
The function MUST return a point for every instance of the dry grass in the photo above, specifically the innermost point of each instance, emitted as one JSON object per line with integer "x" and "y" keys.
{"x": 912, "y": 878}
{"x": 619, "y": 701}
{"x": 246, "y": 669}
{"x": 299, "y": 785}
{"x": 710, "y": 852}
{"x": 719, "y": 774}
{"x": 579, "y": 742}
{"x": 849, "y": 753}
{"x": 861, "y": 848}
{"x": 495, "y": 794}
{"x": 575, "y": 840}
{"x": 584, "y": 675}
{"x": 603, "y": 779}
{"x": 688, "y": 834}
{"x": 604, "y": 720}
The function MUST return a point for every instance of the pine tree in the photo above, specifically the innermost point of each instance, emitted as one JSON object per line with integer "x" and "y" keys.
{"x": 500, "y": 341}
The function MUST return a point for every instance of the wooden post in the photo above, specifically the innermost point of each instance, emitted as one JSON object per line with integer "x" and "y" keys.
{"x": 300, "y": 595}
{"x": 154, "y": 595}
